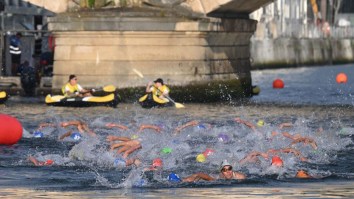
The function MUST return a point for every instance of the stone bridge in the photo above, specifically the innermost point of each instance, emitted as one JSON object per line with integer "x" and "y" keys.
{"x": 201, "y": 48}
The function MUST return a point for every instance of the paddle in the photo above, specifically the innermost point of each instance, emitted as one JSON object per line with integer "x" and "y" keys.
{"x": 177, "y": 105}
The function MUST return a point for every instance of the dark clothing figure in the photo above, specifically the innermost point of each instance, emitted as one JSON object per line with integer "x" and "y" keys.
{"x": 28, "y": 78}
{"x": 15, "y": 51}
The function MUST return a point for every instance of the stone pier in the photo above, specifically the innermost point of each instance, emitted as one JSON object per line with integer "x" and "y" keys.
{"x": 210, "y": 57}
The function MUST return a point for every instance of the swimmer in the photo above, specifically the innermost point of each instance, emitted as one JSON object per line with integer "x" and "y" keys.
{"x": 36, "y": 162}
{"x": 81, "y": 127}
{"x": 126, "y": 146}
{"x": 192, "y": 123}
{"x": 306, "y": 141}
{"x": 226, "y": 173}
{"x": 156, "y": 165}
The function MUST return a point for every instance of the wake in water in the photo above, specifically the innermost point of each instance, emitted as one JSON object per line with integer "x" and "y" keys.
{"x": 186, "y": 148}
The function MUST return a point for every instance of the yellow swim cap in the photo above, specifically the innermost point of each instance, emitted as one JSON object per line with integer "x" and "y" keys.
{"x": 134, "y": 137}
{"x": 200, "y": 158}
{"x": 260, "y": 123}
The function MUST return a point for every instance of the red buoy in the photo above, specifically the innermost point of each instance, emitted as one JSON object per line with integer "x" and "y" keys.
{"x": 10, "y": 130}
{"x": 341, "y": 78}
{"x": 278, "y": 83}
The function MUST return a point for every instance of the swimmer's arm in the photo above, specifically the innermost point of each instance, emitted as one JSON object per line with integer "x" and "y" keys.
{"x": 191, "y": 123}
{"x": 42, "y": 125}
{"x": 71, "y": 123}
{"x": 198, "y": 176}
{"x": 34, "y": 161}
{"x": 111, "y": 138}
{"x": 239, "y": 176}
{"x": 248, "y": 124}
{"x": 117, "y": 126}
{"x": 285, "y": 125}
{"x": 67, "y": 134}
{"x": 147, "y": 126}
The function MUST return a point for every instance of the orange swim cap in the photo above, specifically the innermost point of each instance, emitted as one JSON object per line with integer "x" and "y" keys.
{"x": 276, "y": 161}
{"x": 48, "y": 162}
{"x": 157, "y": 162}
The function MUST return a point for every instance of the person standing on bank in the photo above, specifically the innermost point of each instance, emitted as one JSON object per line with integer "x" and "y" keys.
{"x": 73, "y": 89}
{"x": 15, "y": 51}
{"x": 158, "y": 88}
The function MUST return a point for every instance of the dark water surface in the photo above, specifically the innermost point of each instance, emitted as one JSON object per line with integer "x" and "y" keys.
{"x": 310, "y": 100}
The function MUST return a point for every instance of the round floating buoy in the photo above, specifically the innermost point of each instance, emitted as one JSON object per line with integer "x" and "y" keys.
{"x": 276, "y": 161}
{"x": 341, "y": 78}
{"x": 200, "y": 158}
{"x": 10, "y": 130}
{"x": 278, "y": 83}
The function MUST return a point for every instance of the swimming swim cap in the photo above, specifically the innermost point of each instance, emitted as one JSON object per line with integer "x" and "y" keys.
{"x": 260, "y": 123}
{"x": 224, "y": 163}
{"x": 201, "y": 126}
{"x": 48, "y": 162}
{"x": 38, "y": 134}
{"x": 76, "y": 136}
{"x": 223, "y": 137}
{"x": 174, "y": 178}
{"x": 208, "y": 152}
{"x": 200, "y": 158}
{"x": 119, "y": 162}
{"x": 276, "y": 161}
{"x": 157, "y": 162}
{"x": 166, "y": 150}
{"x": 134, "y": 137}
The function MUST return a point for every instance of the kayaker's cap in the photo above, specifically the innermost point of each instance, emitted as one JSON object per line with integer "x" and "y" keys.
{"x": 224, "y": 163}
{"x": 159, "y": 80}
{"x": 72, "y": 77}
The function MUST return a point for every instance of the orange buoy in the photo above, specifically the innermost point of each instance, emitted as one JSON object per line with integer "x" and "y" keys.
{"x": 10, "y": 131}
{"x": 341, "y": 78}
{"x": 278, "y": 83}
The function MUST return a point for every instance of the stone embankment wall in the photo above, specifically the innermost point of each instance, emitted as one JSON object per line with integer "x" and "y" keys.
{"x": 292, "y": 52}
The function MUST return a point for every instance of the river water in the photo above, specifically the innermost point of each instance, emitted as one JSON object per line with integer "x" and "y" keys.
{"x": 311, "y": 100}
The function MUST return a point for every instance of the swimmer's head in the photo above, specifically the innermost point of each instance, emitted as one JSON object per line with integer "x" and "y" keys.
{"x": 76, "y": 136}
{"x": 260, "y": 123}
{"x": 38, "y": 134}
{"x": 166, "y": 150}
{"x": 48, "y": 162}
{"x": 208, "y": 152}
{"x": 200, "y": 158}
{"x": 172, "y": 177}
{"x": 277, "y": 161}
{"x": 157, "y": 162}
{"x": 133, "y": 137}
